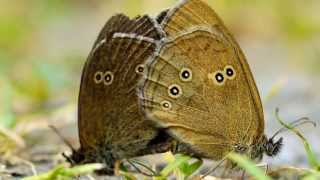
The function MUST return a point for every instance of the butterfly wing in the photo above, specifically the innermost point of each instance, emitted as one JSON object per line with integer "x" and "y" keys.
{"x": 109, "y": 116}
{"x": 199, "y": 84}
{"x": 140, "y": 25}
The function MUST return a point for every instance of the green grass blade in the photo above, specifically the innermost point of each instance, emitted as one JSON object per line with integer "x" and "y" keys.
{"x": 127, "y": 175}
{"x": 61, "y": 172}
{"x": 310, "y": 154}
{"x": 313, "y": 176}
{"x": 45, "y": 176}
{"x": 7, "y": 117}
{"x": 83, "y": 169}
{"x": 249, "y": 166}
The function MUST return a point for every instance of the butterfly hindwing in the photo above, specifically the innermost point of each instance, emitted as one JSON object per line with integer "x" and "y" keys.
{"x": 219, "y": 106}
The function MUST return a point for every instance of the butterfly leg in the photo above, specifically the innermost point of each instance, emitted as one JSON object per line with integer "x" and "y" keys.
{"x": 117, "y": 165}
{"x": 227, "y": 170}
{"x": 243, "y": 174}
{"x": 162, "y": 147}
{"x": 160, "y": 144}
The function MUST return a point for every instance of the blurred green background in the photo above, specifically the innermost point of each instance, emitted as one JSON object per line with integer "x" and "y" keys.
{"x": 44, "y": 44}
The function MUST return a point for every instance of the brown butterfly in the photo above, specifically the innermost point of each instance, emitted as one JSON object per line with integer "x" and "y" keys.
{"x": 111, "y": 125}
{"x": 199, "y": 86}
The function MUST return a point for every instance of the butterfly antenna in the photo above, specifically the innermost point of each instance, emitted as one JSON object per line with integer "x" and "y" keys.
{"x": 294, "y": 124}
{"x": 63, "y": 139}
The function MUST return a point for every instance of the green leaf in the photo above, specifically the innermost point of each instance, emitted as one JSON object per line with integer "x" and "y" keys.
{"x": 188, "y": 169}
{"x": 179, "y": 159}
{"x": 249, "y": 166}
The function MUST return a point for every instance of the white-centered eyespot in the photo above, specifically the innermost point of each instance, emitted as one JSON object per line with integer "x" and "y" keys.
{"x": 166, "y": 105}
{"x": 108, "y": 78}
{"x": 230, "y": 72}
{"x": 98, "y": 77}
{"x": 218, "y": 78}
{"x": 140, "y": 69}
{"x": 174, "y": 91}
{"x": 186, "y": 74}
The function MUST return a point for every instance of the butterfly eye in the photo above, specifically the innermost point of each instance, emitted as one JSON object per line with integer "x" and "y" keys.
{"x": 241, "y": 148}
{"x": 186, "y": 74}
{"x": 166, "y": 105}
{"x": 230, "y": 72}
{"x": 98, "y": 77}
{"x": 140, "y": 69}
{"x": 108, "y": 78}
{"x": 174, "y": 91}
{"x": 218, "y": 78}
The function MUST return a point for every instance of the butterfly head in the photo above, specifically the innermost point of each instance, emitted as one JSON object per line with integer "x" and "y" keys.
{"x": 272, "y": 148}
{"x": 264, "y": 146}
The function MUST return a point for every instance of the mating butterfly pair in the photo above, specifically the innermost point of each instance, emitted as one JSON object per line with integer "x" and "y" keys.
{"x": 180, "y": 81}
